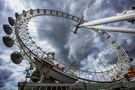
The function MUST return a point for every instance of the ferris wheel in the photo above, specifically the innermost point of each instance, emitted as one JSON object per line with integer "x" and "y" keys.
{"x": 45, "y": 62}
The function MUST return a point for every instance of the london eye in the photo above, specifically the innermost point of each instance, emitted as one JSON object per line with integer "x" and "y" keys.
{"x": 45, "y": 64}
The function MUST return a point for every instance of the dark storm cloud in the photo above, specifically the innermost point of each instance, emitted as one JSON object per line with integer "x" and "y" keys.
{"x": 1, "y": 5}
{"x": 109, "y": 59}
{"x": 4, "y": 76}
{"x": 1, "y": 61}
{"x": 58, "y": 32}
{"x": 121, "y": 5}
{"x": 57, "y": 36}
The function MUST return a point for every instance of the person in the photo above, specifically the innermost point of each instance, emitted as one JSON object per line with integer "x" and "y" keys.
{"x": 57, "y": 66}
{"x": 127, "y": 77}
{"x": 62, "y": 69}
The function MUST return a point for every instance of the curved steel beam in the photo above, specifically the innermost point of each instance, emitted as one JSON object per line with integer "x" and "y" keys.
{"x": 123, "y": 59}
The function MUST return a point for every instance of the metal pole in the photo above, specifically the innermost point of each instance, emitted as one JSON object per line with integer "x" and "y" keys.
{"x": 127, "y": 17}
{"x": 112, "y": 29}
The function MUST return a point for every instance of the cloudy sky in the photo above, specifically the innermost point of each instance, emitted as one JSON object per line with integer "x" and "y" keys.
{"x": 84, "y": 47}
